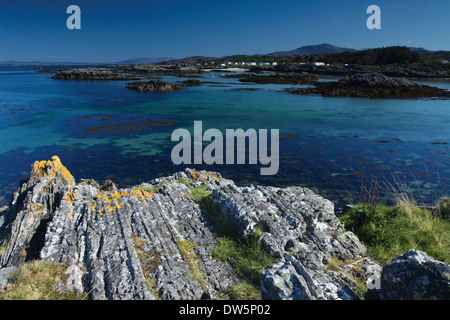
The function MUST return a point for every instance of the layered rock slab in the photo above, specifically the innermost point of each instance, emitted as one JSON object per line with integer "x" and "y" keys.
{"x": 85, "y": 228}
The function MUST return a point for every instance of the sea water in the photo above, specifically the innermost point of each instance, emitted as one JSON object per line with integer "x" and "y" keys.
{"x": 339, "y": 147}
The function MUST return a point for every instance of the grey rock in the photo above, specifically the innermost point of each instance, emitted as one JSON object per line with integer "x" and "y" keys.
{"x": 379, "y": 79}
{"x": 413, "y": 276}
{"x": 73, "y": 280}
{"x": 162, "y": 68}
{"x": 91, "y": 182}
{"x": 31, "y": 209}
{"x": 108, "y": 185}
{"x": 5, "y": 275}
{"x": 366, "y": 269}
{"x": 98, "y": 230}
{"x": 89, "y": 74}
{"x": 373, "y": 85}
{"x": 289, "y": 279}
{"x": 153, "y": 85}
{"x": 301, "y": 228}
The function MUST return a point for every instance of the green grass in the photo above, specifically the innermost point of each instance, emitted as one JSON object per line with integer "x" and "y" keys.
{"x": 244, "y": 291}
{"x": 150, "y": 189}
{"x": 3, "y": 245}
{"x": 443, "y": 208}
{"x": 361, "y": 286}
{"x": 388, "y": 231}
{"x": 149, "y": 261}
{"x": 245, "y": 254}
{"x": 37, "y": 280}
{"x": 185, "y": 248}
{"x": 200, "y": 192}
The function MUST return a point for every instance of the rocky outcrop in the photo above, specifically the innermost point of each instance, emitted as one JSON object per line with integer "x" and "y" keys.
{"x": 347, "y": 70}
{"x": 300, "y": 228}
{"x": 413, "y": 276}
{"x": 159, "y": 68}
{"x": 279, "y": 78}
{"x": 191, "y": 83}
{"x": 80, "y": 226}
{"x": 89, "y": 74}
{"x": 153, "y": 85}
{"x": 154, "y": 241}
{"x": 373, "y": 85}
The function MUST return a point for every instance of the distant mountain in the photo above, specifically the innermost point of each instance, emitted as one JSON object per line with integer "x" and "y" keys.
{"x": 310, "y": 50}
{"x": 145, "y": 60}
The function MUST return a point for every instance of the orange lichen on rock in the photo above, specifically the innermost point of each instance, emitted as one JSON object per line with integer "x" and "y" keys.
{"x": 51, "y": 169}
{"x": 198, "y": 176}
{"x": 70, "y": 196}
{"x": 141, "y": 195}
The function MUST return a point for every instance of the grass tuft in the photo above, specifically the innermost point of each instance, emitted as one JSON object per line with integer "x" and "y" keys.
{"x": 37, "y": 280}
{"x": 185, "y": 248}
{"x": 245, "y": 253}
{"x": 244, "y": 291}
{"x": 149, "y": 261}
{"x": 387, "y": 231}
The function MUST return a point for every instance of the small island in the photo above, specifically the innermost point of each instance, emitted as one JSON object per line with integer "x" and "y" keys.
{"x": 373, "y": 85}
{"x": 89, "y": 74}
{"x": 153, "y": 85}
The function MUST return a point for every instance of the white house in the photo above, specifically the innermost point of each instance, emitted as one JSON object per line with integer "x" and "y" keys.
{"x": 274, "y": 63}
{"x": 318, "y": 63}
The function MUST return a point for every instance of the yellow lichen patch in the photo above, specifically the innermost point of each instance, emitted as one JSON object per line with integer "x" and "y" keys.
{"x": 197, "y": 176}
{"x": 50, "y": 168}
{"x": 141, "y": 195}
{"x": 214, "y": 176}
{"x": 119, "y": 194}
{"x": 70, "y": 196}
{"x": 194, "y": 175}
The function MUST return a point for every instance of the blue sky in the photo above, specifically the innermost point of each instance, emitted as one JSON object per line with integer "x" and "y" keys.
{"x": 114, "y": 30}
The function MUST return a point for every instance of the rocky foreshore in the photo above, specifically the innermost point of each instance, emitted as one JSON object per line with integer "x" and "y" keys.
{"x": 129, "y": 243}
{"x": 158, "y": 68}
{"x": 348, "y": 70}
{"x": 89, "y": 74}
{"x": 373, "y": 85}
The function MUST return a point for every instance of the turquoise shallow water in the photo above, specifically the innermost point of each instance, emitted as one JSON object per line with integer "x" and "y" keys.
{"x": 100, "y": 129}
